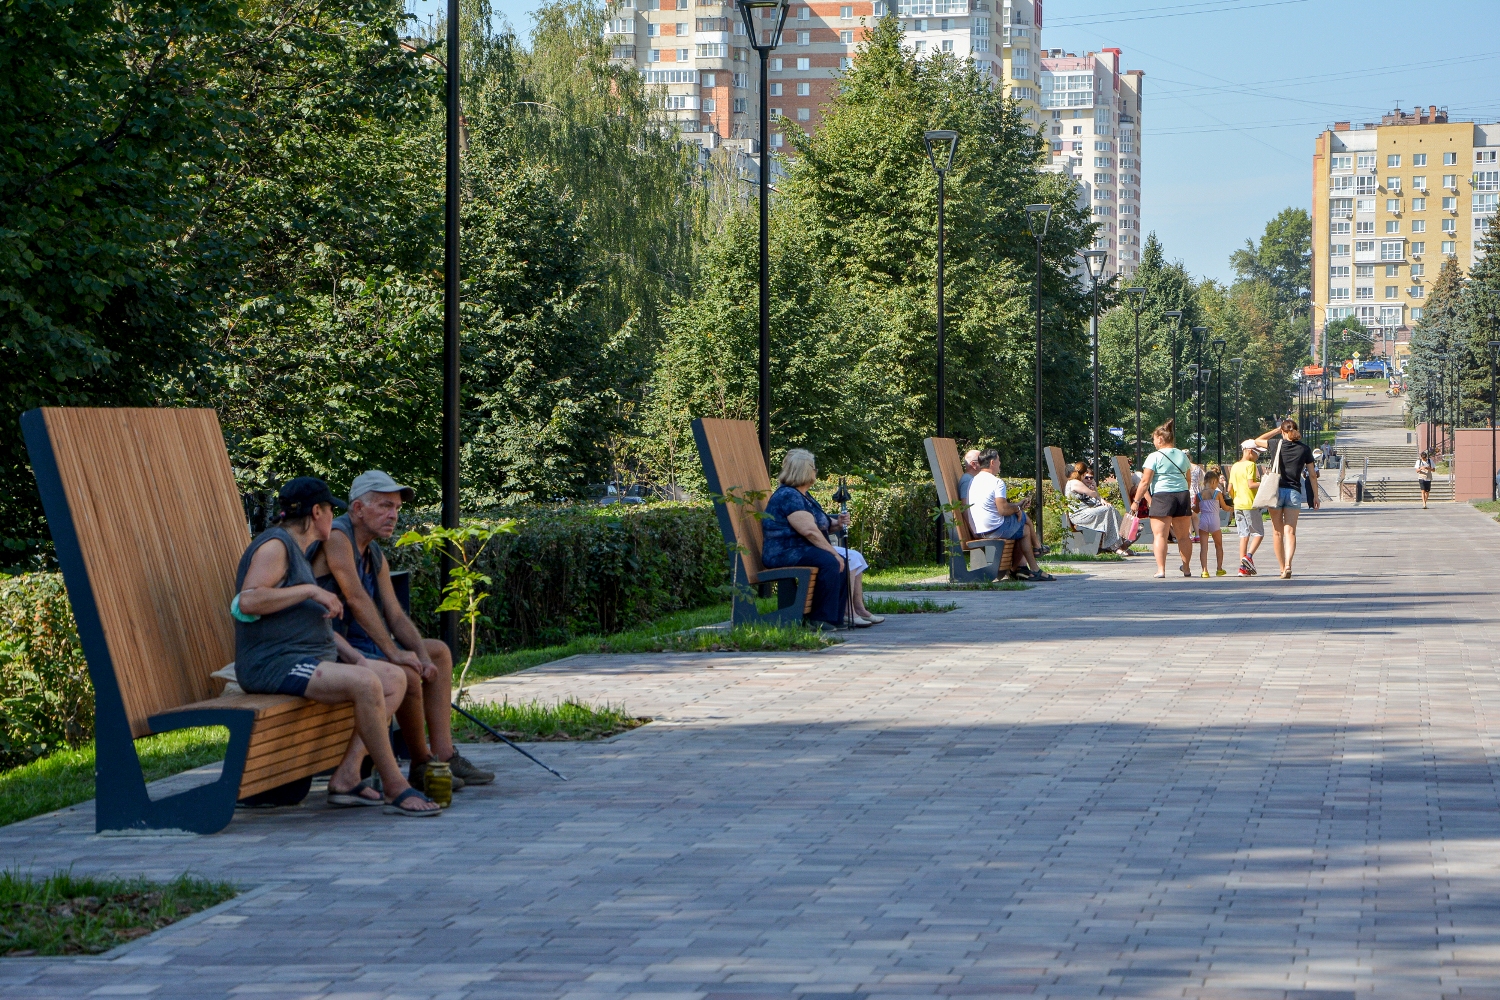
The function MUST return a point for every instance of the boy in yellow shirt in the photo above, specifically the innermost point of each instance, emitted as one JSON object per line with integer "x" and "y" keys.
{"x": 1249, "y": 520}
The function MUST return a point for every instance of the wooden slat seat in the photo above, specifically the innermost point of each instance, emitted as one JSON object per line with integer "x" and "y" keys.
{"x": 148, "y": 527}
{"x": 988, "y": 557}
{"x": 741, "y": 485}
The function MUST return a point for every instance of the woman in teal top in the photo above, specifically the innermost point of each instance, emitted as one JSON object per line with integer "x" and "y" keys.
{"x": 1165, "y": 478}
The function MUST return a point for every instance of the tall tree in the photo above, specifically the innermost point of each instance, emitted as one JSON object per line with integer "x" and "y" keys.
{"x": 1282, "y": 259}
{"x": 1435, "y": 337}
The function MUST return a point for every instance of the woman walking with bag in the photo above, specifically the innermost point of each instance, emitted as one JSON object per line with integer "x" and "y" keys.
{"x": 1424, "y": 475}
{"x": 1290, "y": 458}
{"x": 1165, "y": 479}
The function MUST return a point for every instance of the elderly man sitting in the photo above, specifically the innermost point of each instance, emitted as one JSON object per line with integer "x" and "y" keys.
{"x": 351, "y": 565}
{"x": 994, "y": 516}
{"x": 971, "y": 467}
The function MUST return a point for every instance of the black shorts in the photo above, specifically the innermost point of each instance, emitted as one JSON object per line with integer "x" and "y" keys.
{"x": 1172, "y": 504}
{"x": 1425, "y": 485}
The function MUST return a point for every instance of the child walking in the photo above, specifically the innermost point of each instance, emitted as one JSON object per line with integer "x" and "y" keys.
{"x": 1249, "y": 520}
{"x": 1210, "y": 502}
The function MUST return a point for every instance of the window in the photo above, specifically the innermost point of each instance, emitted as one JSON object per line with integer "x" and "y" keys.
{"x": 1392, "y": 292}
{"x": 1367, "y": 292}
{"x": 1419, "y": 183}
{"x": 1484, "y": 156}
{"x": 1078, "y": 130}
{"x": 1393, "y": 270}
{"x": 1417, "y": 270}
{"x": 1367, "y": 161}
{"x": 774, "y": 112}
{"x": 846, "y": 37}
{"x": 1450, "y": 247}
{"x": 1335, "y": 294}
{"x": 776, "y": 140}
{"x": 804, "y": 37}
{"x": 1450, "y": 204}
{"x": 1364, "y": 270}
{"x": 1450, "y": 225}
{"x": 713, "y": 50}
{"x": 844, "y": 63}
{"x": 846, "y": 12}
{"x": 1393, "y": 185}
{"x": 1394, "y": 160}
{"x": 1365, "y": 314}
{"x": 947, "y": 45}
{"x": 709, "y": 80}
{"x": 1419, "y": 204}
{"x": 1390, "y": 315}
{"x": 919, "y": 25}
{"x": 1339, "y": 271}
{"x": 1103, "y": 179}
{"x": 1487, "y": 180}
{"x": 1484, "y": 203}
{"x": 804, "y": 63}
{"x": 1364, "y": 204}
{"x": 623, "y": 52}
{"x": 654, "y": 56}
{"x": 652, "y": 30}
{"x": 1416, "y": 313}
{"x": 1450, "y": 181}
{"x": 804, "y": 89}
{"x": 1341, "y": 162}
{"x": 1103, "y": 147}
{"x": 1341, "y": 184}
{"x": 803, "y": 114}
{"x": 1419, "y": 159}
{"x": 1449, "y": 159}
{"x": 713, "y": 24}
{"x": 741, "y": 105}
{"x": 1419, "y": 225}
{"x": 1393, "y": 205}
{"x": 805, "y": 14}
{"x": 775, "y": 90}
{"x": 741, "y": 80}
{"x": 1392, "y": 250}
{"x": 1338, "y": 249}
{"x": 946, "y": 24}
{"x": 1364, "y": 246}
{"x": 920, "y": 47}
{"x": 1392, "y": 226}
{"x": 682, "y": 55}
{"x": 1365, "y": 228}
{"x": 1338, "y": 229}
{"x": 1364, "y": 185}
{"x": 1103, "y": 161}
{"x": 1418, "y": 248}
{"x": 709, "y": 104}
{"x": 682, "y": 4}
{"x": 682, "y": 29}
{"x": 775, "y": 65}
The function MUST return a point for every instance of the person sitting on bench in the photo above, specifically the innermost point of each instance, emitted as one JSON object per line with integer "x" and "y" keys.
{"x": 971, "y": 468}
{"x": 794, "y": 537}
{"x": 994, "y": 516}
{"x": 284, "y": 643}
{"x": 351, "y": 565}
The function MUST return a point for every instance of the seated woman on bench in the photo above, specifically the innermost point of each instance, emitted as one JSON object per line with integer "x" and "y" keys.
{"x": 284, "y": 643}
{"x": 796, "y": 529}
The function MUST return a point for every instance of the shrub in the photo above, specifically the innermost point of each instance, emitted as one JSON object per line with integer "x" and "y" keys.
{"x": 571, "y": 571}
{"x": 46, "y": 698}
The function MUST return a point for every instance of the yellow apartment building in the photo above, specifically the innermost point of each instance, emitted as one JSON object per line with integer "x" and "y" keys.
{"x": 1391, "y": 202}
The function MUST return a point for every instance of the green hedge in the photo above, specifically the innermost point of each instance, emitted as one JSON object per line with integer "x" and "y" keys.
{"x": 46, "y": 698}
{"x": 572, "y": 571}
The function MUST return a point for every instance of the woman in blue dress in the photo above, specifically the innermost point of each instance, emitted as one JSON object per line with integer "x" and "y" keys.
{"x": 795, "y": 530}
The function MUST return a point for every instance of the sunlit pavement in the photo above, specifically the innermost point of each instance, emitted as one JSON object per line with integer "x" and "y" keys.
{"x": 1107, "y": 786}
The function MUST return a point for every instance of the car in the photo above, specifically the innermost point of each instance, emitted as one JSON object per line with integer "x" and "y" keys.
{"x": 1370, "y": 369}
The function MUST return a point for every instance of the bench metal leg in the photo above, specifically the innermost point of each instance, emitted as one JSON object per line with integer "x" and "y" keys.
{"x": 960, "y": 569}
{"x": 792, "y": 586}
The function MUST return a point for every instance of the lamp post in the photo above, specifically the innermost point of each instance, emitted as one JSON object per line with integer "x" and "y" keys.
{"x": 763, "y": 44}
{"x": 1218, "y": 353}
{"x": 1191, "y": 371}
{"x": 940, "y": 147}
{"x": 1494, "y": 468}
{"x": 1200, "y": 334}
{"x": 1137, "y": 298}
{"x": 451, "y": 329}
{"x": 1237, "y": 364}
{"x": 1094, "y": 261}
{"x": 1036, "y": 214}
{"x": 1175, "y": 315}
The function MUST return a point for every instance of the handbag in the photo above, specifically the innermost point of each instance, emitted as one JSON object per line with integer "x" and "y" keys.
{"x": 1130, "y": 530}
{"x": 1269, "y": 494}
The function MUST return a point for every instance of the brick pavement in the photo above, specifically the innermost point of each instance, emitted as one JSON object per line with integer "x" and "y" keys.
{"x": 1110, "y": 786}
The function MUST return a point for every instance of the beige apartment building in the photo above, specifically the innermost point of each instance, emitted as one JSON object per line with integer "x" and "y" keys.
{"x": 1391, "y": 202}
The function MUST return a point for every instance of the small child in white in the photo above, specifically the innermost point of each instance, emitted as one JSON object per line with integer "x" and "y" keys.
{"x": 1210, "y": 501}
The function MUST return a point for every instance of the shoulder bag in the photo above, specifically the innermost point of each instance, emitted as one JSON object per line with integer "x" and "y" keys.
{"x": 1269, "y": 494}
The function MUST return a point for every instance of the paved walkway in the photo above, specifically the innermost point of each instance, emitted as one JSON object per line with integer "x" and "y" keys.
{"x": 1109, "y": 786}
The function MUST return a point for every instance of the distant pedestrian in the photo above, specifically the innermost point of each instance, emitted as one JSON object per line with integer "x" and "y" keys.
{"x": 1165, "y": 480}
{"x": 1293, "y": 458}
{"x": 1210, "y": 528}
{"x": 1424, "y": 475}
{"x": 1249, "y": 520}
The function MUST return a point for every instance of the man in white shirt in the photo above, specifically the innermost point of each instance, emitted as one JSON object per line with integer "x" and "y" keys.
{"x": 994, "y": 516}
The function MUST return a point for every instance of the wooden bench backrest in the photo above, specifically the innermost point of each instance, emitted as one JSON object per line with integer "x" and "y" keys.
{"x": 735, "y": 468}
{"x": 1056, "y": 467}
{"x": 161, "y": 530}
{"x": 1126, "y": 479}
{"x": 942, "y": 457}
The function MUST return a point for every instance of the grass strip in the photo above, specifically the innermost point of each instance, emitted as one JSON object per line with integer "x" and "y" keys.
{"x": 881, "y": 578}
{"x": 638, "y": 640}
{"x": 534, "y": 721}
{"x": 908, "y": 587}
{"x": 68, "y": 915}
{"x": 908, "y": 606}
{"x": 67, "y": 778}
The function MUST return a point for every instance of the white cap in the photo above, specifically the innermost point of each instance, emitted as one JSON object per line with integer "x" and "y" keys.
{"x": 376, "y": 481}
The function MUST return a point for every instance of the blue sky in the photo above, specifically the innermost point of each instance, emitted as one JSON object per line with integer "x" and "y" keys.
{"x": 1236, "y": 91}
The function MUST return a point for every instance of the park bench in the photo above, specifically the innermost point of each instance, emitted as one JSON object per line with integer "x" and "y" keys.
{"x": 149, "y": 530}
{"x": 741, "y": 485}
{"x": 986, "y": 558}
{"x": 1081, "y": 541}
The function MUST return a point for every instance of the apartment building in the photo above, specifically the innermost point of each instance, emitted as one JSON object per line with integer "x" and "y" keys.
{"x": 1091, "y": 111}
{"x": 698, "y": 53}
{"x": 1391, "y": 202}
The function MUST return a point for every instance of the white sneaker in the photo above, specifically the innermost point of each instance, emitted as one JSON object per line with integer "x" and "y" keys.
{"x": 873, "y": 619}
{"x": 855, "y": 621}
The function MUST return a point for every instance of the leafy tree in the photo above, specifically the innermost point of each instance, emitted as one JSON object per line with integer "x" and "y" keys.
{"x": 1479, "y": 320}
{"x": 1346, "y": 337}
{"x": 1282, "y": 259}
{"x": 1435, "y": 336}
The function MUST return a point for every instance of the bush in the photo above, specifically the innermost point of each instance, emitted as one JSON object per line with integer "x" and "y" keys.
{"x": 571, "y": 571}
{"x": 46, "y": 698}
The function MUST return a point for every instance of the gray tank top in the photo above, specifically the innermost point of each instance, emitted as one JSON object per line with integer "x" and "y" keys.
{"x": 265, "y": 650}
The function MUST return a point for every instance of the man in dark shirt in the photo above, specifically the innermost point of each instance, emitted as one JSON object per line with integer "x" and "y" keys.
{"x": 1293, "y": 458}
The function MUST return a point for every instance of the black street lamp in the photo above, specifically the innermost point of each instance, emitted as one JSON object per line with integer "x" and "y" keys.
{"x": 1094, "y": 261}
{"x": 1137, "y": 298}
{"x": 1237, "y": 364}
{"x": 940, "y": 147}
{"x": 1037, "y": 218}
{"x": 1218, "y": 353}
{"x": 763, "y": 44}
{"x": 1175, "y": 315}
{"x": 1494, "y": 468}
{"x": 451, "y": 438}
{"x": 1200, "y": 335}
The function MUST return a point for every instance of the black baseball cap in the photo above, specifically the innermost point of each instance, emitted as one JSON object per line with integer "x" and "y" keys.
{"x": 298, "y": 497}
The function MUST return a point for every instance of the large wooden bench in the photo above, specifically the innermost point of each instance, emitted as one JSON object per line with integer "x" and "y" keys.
{"x": 1080, "y": 541}
{"x": 970, "y": 559}
{"x": 149, "y": 530}
{"x": 741, "y": 485}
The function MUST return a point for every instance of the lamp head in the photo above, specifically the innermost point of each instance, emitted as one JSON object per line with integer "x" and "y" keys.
{"x": 1236, "y": 364}
{"x": 941, "y": 144}
{"x": 1136, "y": 294}
{"x": 747, "y": 11}
{"x": 1218, "y": 343}
{"x": 1093, "y": 262}
{"x": 1175, "y": 315}
{"x": 1035, "y": 214}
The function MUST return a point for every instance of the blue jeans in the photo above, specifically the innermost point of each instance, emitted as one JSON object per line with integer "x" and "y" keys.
{"x": 1288, "y": 498}
{"x": 1012, "y": 527}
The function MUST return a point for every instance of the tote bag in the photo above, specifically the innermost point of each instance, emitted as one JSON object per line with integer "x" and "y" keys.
{"x": 1269, "y": 494}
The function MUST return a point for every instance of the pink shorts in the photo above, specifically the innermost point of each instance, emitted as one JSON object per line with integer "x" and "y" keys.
{"x": 1208, "y": 520}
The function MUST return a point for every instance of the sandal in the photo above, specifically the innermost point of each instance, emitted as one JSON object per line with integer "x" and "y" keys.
{"x": 1161, "y": 576}
{"x": 395, "y": 808}
{"x": 354, "y": 796}
{"x": 1041, "y": 576}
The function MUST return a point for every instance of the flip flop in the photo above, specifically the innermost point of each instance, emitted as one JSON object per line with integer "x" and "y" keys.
{"x": 344, "y": 800}
{"x": 395, "y": 808}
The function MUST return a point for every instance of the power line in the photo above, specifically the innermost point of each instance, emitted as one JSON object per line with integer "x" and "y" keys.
{"x": 1184, "y": 13}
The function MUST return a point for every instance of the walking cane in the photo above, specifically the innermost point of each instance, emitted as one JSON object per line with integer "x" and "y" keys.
{"x": 502, "y": 739}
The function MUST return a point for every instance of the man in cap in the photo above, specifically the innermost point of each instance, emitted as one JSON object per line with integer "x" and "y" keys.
{"x": 352, "y": 565}
{"x": 1249, "y": 520}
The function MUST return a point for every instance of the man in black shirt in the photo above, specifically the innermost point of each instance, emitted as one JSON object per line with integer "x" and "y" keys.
{"x": 1293, "y": 458}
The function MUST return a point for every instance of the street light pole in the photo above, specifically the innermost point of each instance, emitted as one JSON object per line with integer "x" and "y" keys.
{"x": 1237, "y": 364}
{"x": 941, "y": 145}
{"x": 1175, "y": 315}
{"x": 763, "y": 45}
{"x": 1035, "y": 214}
{"x": 1137, "y": 296}
{"x": 1218, "y": 349}
{"x": 451, "y": 329}
{"x": 1094, "y": 261}
{"x": 1200, "y": 334}
{"x": 1494, "y": 468}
